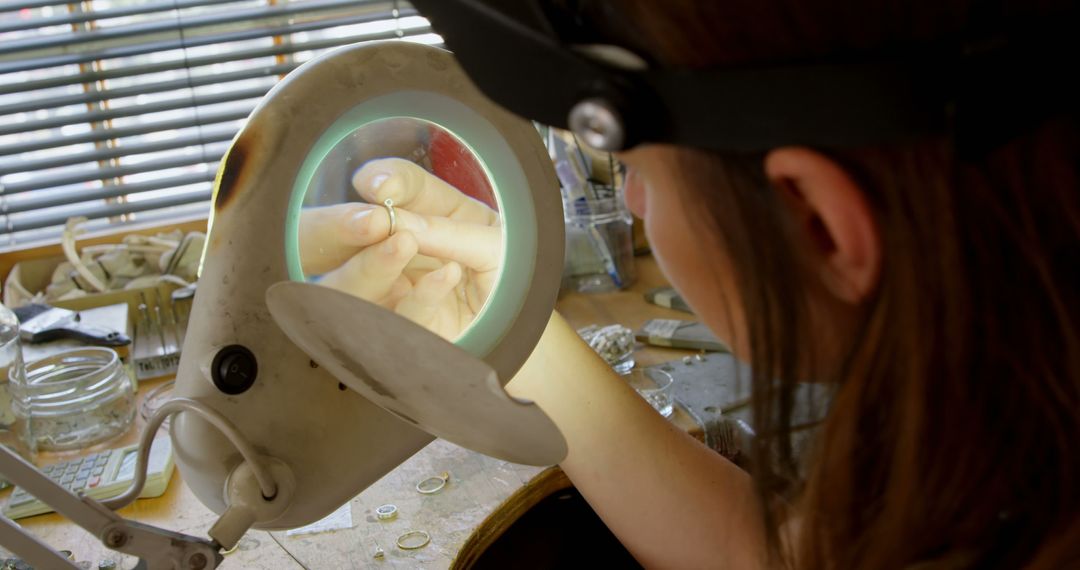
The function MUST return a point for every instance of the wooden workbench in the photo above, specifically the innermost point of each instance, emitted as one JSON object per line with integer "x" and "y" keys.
{"x": 477, "y": 487}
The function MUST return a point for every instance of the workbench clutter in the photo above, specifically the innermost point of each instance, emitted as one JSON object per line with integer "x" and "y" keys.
{"x": 69, "y": 400}
{"x": 71, "y": 366}
{"x": 137, "y": 263}
{"x": 408, "y": 539}
{"x": 614, "y": 343}
{"x": 599, "y": 227}
{"x": 64, "y": 398}
{"x": 139, "y": 287}
{"x": 703, "y": 385}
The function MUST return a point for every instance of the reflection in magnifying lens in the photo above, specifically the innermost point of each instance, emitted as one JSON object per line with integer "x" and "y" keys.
{"x": 403, "y": 214}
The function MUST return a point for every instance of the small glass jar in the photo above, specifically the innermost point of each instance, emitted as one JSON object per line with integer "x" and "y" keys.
{"x": 75, "y": 399}
{"x": 614, "y": 343}
{"x": 599, "y": 246}
{"x": 654, "y": 385}
{"x": 12, "y": 378}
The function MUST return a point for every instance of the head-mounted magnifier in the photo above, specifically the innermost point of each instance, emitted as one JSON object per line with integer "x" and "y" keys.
{"x": 521, "y": 59}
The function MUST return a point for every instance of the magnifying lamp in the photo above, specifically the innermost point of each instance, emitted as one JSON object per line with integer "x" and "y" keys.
{"x": 334, "y": 391}
{"x": 301, "y": 381}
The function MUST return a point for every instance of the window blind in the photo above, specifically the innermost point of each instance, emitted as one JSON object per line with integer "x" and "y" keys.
{"x": 120, "y": 110}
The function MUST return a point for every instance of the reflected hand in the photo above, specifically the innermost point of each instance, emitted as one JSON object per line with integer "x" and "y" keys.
{"x": 437, "y": 269}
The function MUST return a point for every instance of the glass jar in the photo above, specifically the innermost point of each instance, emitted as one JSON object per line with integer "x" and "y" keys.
{"x": 12, "y": 379}
{"x": 599, "y": 246}
{"x": 75, "y": 399}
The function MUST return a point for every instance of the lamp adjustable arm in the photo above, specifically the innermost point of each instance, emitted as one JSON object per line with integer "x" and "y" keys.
{"x": 155, "y": 547}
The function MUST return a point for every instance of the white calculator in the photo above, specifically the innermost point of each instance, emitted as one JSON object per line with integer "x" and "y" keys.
{"x": 100, "y": 476}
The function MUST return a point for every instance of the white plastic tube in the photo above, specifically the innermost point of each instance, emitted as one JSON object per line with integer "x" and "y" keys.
{"x": 177, "y": 405}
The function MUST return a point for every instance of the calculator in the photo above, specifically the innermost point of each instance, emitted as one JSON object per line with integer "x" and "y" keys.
{"x": 101, "y": 476}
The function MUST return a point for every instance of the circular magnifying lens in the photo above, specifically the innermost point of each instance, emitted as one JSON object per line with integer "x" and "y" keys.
{"x": 402, "y": 213}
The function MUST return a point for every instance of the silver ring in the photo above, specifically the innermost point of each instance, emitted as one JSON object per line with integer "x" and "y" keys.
{"x": 389, "y": 205}
{"x": 433, "y": 485}
{"x": 386, "y": 512}
{"x": 421, "y": 534}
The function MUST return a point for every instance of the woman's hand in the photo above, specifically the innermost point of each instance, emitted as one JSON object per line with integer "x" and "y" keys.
{"x": 439, "y": 266}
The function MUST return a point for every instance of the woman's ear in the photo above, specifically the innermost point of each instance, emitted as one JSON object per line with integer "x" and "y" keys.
{"x": 833, "y": 217}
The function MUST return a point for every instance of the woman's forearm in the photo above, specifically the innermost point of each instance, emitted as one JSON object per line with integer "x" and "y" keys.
{"x": 672, "y": 501}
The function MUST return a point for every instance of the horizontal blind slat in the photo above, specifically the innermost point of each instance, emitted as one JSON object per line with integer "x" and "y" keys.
{"x": 16, "y": 5}
{"x": 133, "y": 90}
{"x": 191, "y": 212}
{"x": 279, "y": 49}
{"x": 17, "y": 65}
{"x": 109, "y": 209}
{"x": 196, "y": 120}
{"x": 204, "y": 136}
{"x": 98, "y": 15}
{"x": 278, "y": 12}
{"x": 211, "y": 153}
{"x": 114, "y": 191}
{"x": 132, "y": 110}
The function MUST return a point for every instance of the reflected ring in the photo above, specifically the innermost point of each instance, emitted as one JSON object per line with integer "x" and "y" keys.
{"x": 389, "y": 205}
{"x": 421, "y": 534}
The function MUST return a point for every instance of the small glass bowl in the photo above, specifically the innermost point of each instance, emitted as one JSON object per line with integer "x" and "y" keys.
{"x": 654, "y": 385}
{"x": 614, "y": 343}
{"x": 75, "y": 399}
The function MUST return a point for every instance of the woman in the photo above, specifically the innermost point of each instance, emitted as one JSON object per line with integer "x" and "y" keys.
{"x": 937, "y": 292}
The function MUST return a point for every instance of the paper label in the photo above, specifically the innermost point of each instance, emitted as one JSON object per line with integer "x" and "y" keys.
{"x": 662, "y": 328}
{"x": 157, "y": 366}
{"x": 339, "y": 519}
{"x": 664, "y": 298}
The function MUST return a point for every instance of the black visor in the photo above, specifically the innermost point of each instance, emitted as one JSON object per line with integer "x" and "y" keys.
{"x": 518, "y": 55}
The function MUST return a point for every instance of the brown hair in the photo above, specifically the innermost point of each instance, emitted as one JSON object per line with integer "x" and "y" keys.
{"x": 952, "y": 434}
